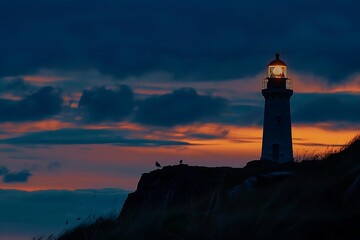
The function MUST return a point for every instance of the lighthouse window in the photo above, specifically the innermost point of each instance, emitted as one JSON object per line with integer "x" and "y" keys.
{"x": 277, "y": 71}
{"x": 278, "y": 119}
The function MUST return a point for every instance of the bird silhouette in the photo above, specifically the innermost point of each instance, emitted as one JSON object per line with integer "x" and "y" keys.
{"x": 181, "y": 161}
{"x": 157, "y": 164}
{"x": 79, "y": 218}
{"x": 67, "y": 222}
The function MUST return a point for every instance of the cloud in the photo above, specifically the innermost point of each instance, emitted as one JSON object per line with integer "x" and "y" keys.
{"x": 225, "y": 39}
{"x": 209, "y": 136}
{"x": 87, "y": 136}
{"x": 314, "y": 108}
{"x": 244, "y": 114}
{"x": 3, "y": 170}
{"x": 39, "y": 105}
{"x": 102, "y": 104}
{"x": 182, "y": 106}
{"x": 14, "y": 177}
{"x": 15, "y": 86}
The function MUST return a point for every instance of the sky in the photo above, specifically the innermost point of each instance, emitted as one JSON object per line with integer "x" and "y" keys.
{"x": 93, "y": 93}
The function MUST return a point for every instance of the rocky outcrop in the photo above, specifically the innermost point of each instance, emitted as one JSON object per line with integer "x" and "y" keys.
{"x": 183, "y": 186}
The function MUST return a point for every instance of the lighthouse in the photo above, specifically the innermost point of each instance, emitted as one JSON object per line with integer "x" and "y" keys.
{"x": 277, "y": 91}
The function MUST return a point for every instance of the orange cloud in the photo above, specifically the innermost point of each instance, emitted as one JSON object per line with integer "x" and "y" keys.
{"x": 308, "y": 84}
{"x": 25, "y": 127}
{"x": 42, "y": 80}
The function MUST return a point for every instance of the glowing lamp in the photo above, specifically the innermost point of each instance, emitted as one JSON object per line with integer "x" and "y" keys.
{"x": 277, "y": 68}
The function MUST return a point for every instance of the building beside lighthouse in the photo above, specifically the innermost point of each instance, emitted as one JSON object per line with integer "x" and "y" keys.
{"x": 277, "y": 91}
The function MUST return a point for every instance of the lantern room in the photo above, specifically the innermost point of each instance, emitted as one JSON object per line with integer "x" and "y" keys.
{"x": 277, "y": 68}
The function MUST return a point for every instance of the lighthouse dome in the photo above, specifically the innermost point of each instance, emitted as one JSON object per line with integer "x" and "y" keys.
{"x": 277, "y": 61}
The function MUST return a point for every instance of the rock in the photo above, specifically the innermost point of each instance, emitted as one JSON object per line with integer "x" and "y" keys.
{"x": 250, "y": 182}
{"x": 352, "y": 194}
{"x": 246, "y": 185}
{"x": 278, "y": 175}
{"x": 235, "y": 191}
{"x": 262, "y": 164}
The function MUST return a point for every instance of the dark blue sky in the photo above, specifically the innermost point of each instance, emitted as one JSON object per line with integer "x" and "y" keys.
{"x": 92, "y": 93}
{"x": 191, "y": 39}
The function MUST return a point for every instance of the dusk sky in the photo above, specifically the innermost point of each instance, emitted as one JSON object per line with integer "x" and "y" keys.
{"x": 92, "y": 93}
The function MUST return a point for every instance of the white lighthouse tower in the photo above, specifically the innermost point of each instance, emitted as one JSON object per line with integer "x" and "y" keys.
{"x": 277, "y": 91}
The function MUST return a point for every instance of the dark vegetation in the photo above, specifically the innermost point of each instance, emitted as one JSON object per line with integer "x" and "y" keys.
{"x": 316, "y": 198}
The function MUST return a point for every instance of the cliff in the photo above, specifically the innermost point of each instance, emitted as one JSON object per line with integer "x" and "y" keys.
{"x": 184, "y": 186}
{"x": 308, "y": 200}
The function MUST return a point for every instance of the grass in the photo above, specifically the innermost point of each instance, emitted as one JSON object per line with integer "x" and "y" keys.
{"x": 316, "y": 155}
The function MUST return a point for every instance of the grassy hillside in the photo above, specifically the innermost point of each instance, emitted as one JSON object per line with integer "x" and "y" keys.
{"x": 317, "y": 198}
